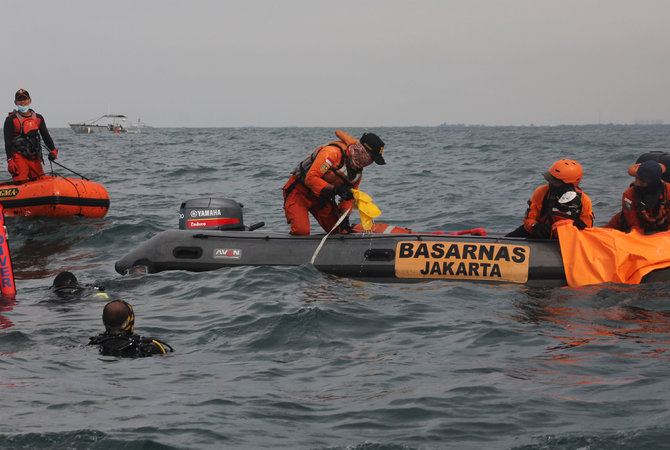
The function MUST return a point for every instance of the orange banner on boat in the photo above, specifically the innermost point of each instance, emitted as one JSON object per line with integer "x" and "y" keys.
{"x": 602, "y": 255}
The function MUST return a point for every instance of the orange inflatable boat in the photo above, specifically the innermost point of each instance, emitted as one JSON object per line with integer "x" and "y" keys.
{"x": 54, "y": 196}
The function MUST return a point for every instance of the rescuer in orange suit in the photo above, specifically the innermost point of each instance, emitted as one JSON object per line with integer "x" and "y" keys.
{"x": 22, "y": 131}
{"x": 646, "y": 203}
{"x": 559, "y": 199}
{"x": 332, "y": 169}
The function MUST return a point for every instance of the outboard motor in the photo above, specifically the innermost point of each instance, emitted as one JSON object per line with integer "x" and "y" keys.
{"x": 211, "y": 214}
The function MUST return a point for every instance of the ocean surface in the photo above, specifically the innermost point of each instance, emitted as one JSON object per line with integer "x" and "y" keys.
{"x": 276, "y": 357}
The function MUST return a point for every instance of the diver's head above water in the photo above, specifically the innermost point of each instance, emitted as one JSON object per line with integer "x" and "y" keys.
{"x": 118, "y": 317}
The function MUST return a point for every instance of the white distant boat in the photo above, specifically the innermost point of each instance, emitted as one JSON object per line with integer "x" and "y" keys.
{"x": 116, "y": 123}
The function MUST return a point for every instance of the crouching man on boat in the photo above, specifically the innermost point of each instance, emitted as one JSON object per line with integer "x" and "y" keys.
{"x": 119, "y": 338}
{"x": 321, "y": 176}
{"x": 23, "y": 128}
{"x": 646, "y": 203}
{"x": 559, "y": 199}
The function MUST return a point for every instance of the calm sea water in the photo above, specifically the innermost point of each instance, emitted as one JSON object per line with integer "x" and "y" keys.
{"x": 270, "y": 357}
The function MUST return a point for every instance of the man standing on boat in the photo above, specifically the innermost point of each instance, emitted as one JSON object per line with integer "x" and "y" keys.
{"x": 23, "y": 128}
{"x": 316, "y": 181}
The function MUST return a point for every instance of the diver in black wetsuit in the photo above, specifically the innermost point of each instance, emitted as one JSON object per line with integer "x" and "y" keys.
{"x": 119, "y": 338}
{"x": 66, "y": 286}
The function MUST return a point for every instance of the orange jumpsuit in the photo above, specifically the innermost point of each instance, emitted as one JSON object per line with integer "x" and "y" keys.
{"x": 632, "y": 216}
{"x": 540, "y": 210}
{"x": 304, "y": 192}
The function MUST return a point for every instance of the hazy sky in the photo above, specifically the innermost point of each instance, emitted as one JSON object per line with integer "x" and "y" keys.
{"x": 340, "y": 63}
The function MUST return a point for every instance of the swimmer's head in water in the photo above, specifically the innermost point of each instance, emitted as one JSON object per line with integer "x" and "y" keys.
{"x": 118, "y": 317}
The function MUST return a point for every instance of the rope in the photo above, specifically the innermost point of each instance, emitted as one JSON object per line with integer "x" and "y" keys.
{"x": 337, "y": 224}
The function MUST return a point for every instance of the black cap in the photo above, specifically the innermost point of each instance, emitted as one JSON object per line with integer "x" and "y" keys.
{"x": 662, "y": 157}
{"x": 374, "y": 145}
{"x": 21, "y": 94}
{"x": 649, "y": 171}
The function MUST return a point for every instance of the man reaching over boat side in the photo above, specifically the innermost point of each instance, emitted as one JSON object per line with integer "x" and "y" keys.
{"x": 559, "y": 199}
{"x": 316, "y": 181}
{"x": 645, "y": 205}
{"x": 22, "y": 131}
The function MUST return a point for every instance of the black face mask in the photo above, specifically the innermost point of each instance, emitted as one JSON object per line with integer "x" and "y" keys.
{"x": 649, "y": 195}
{"x": 68, "y": 291}
{"x": 558, "y": 191}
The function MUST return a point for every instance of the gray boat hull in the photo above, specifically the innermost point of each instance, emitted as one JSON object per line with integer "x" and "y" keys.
{"x": 376, "y": 257}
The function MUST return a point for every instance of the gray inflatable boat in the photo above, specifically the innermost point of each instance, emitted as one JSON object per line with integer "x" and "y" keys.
{"x": 212, "y": 236}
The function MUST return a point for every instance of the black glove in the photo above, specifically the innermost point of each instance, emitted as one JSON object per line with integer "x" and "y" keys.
{"x": 327, "y": 192}
{"x": 344, "y": 192}
{"x": 579, "y": 223}
{"x": 345, "y": 226}
{"x": 542, "y": 230}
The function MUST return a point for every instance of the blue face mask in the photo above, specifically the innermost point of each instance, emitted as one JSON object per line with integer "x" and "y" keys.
{"x": 23, "y": 109}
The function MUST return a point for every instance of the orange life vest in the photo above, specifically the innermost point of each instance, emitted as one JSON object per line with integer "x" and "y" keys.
{"x": 334, "y": 175}
{"x": 26, "y": 135}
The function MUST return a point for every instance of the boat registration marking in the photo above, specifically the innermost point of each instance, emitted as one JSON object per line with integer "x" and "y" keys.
{"x": 462, "y": 261}
{"x": 10, "y": 192}
{"x": 227, "y": 253}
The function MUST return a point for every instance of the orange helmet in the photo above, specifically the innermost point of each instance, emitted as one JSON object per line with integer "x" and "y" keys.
{"x": 565, "y": 170}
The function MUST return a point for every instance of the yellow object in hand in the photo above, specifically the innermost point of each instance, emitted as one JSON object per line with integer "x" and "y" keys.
{"x": 367, "y": 210}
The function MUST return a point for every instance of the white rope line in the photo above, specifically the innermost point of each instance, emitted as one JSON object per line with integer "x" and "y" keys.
{"x": 337, "y": 224}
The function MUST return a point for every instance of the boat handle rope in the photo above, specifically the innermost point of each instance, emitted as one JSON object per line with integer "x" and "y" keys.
{"x": 337, "y": 224}
{"x": 78, "y": 174}
{"x": 58, "y": 164}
